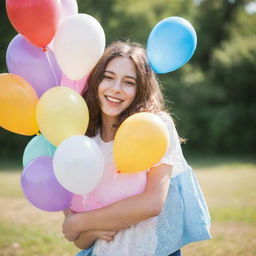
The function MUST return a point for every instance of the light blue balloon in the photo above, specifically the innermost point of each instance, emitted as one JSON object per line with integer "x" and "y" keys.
{"x": 38, "y": 146}
{"x": 171, "y": 44}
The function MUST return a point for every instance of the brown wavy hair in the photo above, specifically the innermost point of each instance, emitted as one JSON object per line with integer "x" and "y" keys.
{"x": 148, "y": 98}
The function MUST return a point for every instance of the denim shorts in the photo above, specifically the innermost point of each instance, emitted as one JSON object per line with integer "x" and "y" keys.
{"x": 177, "y": 253}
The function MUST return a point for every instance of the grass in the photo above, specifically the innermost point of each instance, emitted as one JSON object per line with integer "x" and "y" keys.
{"x": 230, "y": 191}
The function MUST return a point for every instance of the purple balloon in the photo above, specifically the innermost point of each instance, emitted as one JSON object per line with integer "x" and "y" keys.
{"x": 41, "y": 187}
{"x": 69, "y": 8}
{"x": 39, "y": 68}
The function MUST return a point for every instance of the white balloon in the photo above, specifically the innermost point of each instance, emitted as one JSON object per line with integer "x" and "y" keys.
{"x": 78, "y": 45}
{"x": 78, "y": 164}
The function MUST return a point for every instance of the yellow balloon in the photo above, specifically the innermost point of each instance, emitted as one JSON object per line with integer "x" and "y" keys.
{"x": 18, "y": 102}
{"x": 61, "y": 112}
{"x": 140, "y": 142}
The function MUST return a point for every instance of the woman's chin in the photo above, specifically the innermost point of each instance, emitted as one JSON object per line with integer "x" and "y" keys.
{"x": 112, "y": 114}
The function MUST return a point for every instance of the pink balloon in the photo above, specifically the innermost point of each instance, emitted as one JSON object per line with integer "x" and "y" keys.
{"x": 84, "y": 203}
{"x": 114, "y": 187}
{"x": 69, "y": 8}
{"x": 78, "y": 86}
{"x": 78, "y": 203}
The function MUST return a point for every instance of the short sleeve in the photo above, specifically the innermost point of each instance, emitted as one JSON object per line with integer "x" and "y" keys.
{"x": 173, "y": 155}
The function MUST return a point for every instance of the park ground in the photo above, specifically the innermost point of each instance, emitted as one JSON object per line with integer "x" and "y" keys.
{"x": 229, "y": 185}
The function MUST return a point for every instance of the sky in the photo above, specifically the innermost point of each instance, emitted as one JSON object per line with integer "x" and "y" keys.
{"x": 251, "y": 7}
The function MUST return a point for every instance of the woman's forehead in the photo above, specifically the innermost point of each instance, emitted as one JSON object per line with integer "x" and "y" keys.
{"x": 121, "y": 65}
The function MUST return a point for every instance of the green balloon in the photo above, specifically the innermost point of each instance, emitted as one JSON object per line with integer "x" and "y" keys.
{"x": 37, "y": 147}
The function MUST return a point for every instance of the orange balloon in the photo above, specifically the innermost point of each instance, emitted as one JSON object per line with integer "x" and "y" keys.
{"x": 18, "y": 102}
{"x": 140, "y": 142}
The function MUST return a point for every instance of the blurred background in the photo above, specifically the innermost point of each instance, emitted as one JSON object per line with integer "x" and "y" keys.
{"x": 212, "y": 99}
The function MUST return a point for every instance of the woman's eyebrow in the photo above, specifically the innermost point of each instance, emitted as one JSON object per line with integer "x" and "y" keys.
{"x": 111, "y": 72}
{"x": 131, "y": 77}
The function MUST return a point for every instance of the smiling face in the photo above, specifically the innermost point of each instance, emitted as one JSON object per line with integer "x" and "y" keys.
{"x": 117, "y": 90}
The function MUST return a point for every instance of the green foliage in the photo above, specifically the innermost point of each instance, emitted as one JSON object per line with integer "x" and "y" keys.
{"x": 7, "y": 32}
{"x": 234, "y": 68}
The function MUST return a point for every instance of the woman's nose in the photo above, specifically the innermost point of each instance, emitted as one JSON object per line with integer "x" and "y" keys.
{"x": 116, "y": 86}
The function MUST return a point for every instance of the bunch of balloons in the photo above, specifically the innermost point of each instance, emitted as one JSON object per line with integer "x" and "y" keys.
{"x": 48, "y": 63}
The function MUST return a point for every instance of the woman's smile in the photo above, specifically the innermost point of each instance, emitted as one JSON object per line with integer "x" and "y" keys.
{"x": 112, "y": 99}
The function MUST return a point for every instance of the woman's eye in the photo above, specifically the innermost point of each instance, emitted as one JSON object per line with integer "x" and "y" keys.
{"x": 130, "y": 83}
{"x": 108, "y": 77}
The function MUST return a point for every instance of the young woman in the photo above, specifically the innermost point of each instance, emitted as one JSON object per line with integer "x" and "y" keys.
{"x": 171, "y": 211}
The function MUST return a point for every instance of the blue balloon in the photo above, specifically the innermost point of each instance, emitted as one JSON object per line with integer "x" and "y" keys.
{"x": 37, "y": 147}
{"x": 171, "y": 44}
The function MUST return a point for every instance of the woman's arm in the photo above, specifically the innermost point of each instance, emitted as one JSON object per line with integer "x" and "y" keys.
{"x": 126, "y": 212}
{"x": 87, "y": 238}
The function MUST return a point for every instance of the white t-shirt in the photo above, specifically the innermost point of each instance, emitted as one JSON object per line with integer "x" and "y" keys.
{"x": 132, "y": 241}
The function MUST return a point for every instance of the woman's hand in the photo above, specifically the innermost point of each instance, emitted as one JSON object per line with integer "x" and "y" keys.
{"x": 87, "y": 238}
{"x": 68, "y": 226}
{"x": 72, "y": 234}
{"x": 107, "y": 235}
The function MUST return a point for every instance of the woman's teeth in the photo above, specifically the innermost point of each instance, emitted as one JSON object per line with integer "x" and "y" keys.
{"x": 115, "y": 100}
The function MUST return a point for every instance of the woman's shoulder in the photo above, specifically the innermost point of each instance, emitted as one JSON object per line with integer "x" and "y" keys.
{"x": 165, "y": 116}
{"x": 168, "y": 120}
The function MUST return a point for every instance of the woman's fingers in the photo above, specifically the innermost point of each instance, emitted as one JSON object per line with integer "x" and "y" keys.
{"x": 65, "y": 212}
{"x": 68, "y": 212}
{"x": 108, "y": 238}
{"x": 107, "y": 235}
{"x": 111, "y": 233}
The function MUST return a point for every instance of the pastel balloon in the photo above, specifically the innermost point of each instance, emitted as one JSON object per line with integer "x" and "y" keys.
{"x": 39, "y": 68}
{"x": 37, "y": 20}
{"x": 36, "y": 147}
{"x": 78, "y": 203}
{"x": 84, "y": 203}
{"x": 17, "y": 105}
{"x": 115, "y": 187}
{"x": 78, "y": 164}
{"x": 140, "y": 142}
{"x": 85, "y": 39}
{"x": 171, "y": 44}
{"x": 69, "y": 8}
{"x": 112, "y": 187}
{"x": 61, "y": 112}
{"x": 79, "y": 85}
{"x": 41, "y": 187}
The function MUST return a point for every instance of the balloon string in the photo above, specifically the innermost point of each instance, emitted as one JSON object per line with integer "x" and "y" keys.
{"x": 50, "y": 64}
